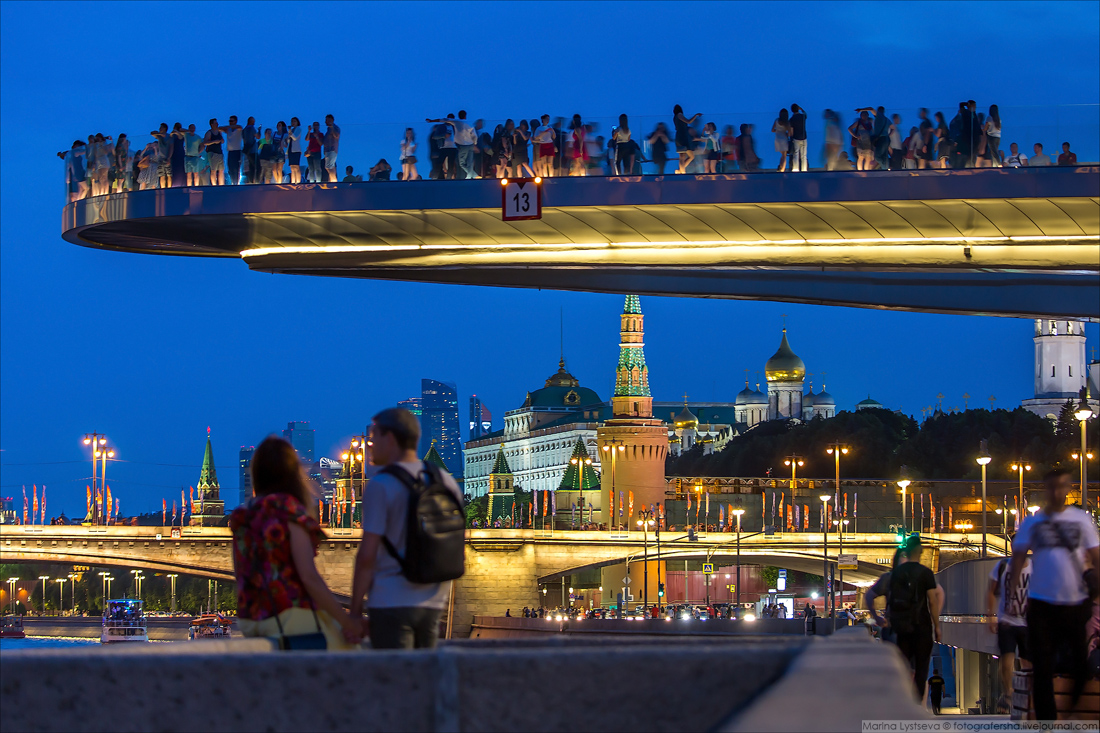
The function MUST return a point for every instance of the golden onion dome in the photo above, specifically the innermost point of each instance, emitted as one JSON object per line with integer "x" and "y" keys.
{"x": 785, "y": 366}
{"x": 686, "y": 419}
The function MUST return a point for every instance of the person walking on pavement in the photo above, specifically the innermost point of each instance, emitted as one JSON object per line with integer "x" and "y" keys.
{"x": 1007, "y": 613}
{"x": 913, "y": 606}
{"x": 1060, "y": 538}
{"x": 935, "y": 689}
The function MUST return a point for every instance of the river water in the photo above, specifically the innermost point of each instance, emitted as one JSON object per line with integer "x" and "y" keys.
{"x": 45, "y": 642}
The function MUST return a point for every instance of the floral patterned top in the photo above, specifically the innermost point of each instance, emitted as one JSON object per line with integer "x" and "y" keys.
{"x": 267, "y": 581}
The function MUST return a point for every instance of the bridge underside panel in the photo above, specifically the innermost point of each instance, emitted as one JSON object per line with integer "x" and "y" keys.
{"x": 806, "y": 563}
{"x": 1029, "y": 294}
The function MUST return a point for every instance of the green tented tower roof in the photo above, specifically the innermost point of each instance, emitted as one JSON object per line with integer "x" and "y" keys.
{"x": 500, "y": 466}
{"x": 579, "y": 476}
{"x": 208, "y": 477}
{"x": 433, "y": 457}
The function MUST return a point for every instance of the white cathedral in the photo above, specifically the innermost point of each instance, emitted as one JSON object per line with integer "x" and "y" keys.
{"x": 785, "y": 373}
{"x": 1060, "y": 368}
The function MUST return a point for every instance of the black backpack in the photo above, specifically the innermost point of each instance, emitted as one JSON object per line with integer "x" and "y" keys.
{"x": 905, "y": 602}
{"x": 435, "y": 528}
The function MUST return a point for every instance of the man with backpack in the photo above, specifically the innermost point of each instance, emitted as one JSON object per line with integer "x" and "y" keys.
{"x": 413, "y": 538}
{"x": 913, "y": 609}
{"x": 1060, "y": 591}
{"x": 1007, "y": 613}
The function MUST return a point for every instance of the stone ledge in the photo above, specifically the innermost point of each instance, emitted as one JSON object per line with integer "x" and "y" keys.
{"x": 835, "y": 685}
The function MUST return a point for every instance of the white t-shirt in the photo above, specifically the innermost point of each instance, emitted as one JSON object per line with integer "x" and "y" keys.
{"x": 544, "y": 134}
{"x": 464, "y": 133}
{"x": 1011, "y": 607}
{"x": 295, "y": 138}
{"x": 385, "y": 509}
{"x": 1016, "y": 161}
{"x": 1056, "y": 578}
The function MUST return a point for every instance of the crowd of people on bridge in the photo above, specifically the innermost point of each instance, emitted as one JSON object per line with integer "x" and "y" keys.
{"x": 457, "y": 148}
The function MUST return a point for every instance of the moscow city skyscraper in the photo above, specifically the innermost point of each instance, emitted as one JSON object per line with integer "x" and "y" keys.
{"x": 300, "y": 435}
{"x": 439, "y": 423}
{"x": 481, "y": 420}
{"x": 244, "y": 482}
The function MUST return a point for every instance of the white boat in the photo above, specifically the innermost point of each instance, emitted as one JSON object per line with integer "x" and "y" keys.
{"x": 124, "y": 620}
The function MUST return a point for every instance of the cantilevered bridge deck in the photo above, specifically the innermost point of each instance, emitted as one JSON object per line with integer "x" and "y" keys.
{"x": 1003, "y": 241}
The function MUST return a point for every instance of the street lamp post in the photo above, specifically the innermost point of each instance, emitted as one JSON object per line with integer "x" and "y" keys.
{"x": 100, "y": 449}
{"x": 60, "y": 595}
{"x": 835, "y": 449}
{"x": 72, "y": 590}
{"x": 614, "y": 447}
{"x": 351, "y": 456}
{"x": 586, "y": 461}
{"x": 645, "y": 521}
{"x": 172, "y": 579}
{"x": 737, "y": 513}
{"x": 1083, "y": 413}
{"x": 11, "y": 593}
{"x": 903, "y": 484}
{"x": 43, "y": 578}
{"x": 825, "y": 535}
{"x": 110, "y": 579}
{"x": 983, "y": 460}
{"x": 794, "y": 462}
{"x": 841, "y": 525}
{"x": 1019, "y": 467}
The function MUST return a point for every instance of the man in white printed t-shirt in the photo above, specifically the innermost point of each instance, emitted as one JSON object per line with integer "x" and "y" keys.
{"x": 1007, "y": 613}
{"x": 1060, "y": 538}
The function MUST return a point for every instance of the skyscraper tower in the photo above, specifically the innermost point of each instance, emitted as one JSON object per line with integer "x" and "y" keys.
{"x": 638, "y": 442}
{"x": 481, "y": 420}
{"x": 300, "y": 435}
{"x": 439, "y": 422}
{"x": 244, "y": 459}
{"x": 211, "y": 507}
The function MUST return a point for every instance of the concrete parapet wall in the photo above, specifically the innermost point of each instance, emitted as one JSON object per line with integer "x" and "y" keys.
{"x": 490, "y": 627}
{"x": 476, "y": 687}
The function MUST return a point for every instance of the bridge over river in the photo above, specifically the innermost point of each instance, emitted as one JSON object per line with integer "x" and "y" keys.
{"x": 504, "y": 568}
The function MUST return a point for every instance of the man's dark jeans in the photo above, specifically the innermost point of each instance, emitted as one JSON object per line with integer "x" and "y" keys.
{"x": 917, "y": 650}
{"x": 1052, "y": 630}
{"x": 404, "y": 628}
{"x": 233, "y": 165}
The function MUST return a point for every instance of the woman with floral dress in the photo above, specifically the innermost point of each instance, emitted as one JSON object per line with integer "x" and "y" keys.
{"x": 275, "y": 538}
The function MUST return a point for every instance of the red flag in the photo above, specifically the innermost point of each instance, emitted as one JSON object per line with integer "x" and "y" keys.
{"x": 163, "y": 512}
{"x": 89, "y": 498}
{"x": 43, "y": 505}
{"x": 192, "y": 500}
{"x": 173, "y": 512}
{"x": 845, "y": 503}
{"x": 24, "y": 505}
{"x": 689, "y": 501}
{"x": 183, "y": 505}
{"x": 109, "y": 504}
{"x": 545, "y": 503}
{"x": 805, "y": 516}
{"x": 630, "y": 506}
{"x": 34, "y": 512}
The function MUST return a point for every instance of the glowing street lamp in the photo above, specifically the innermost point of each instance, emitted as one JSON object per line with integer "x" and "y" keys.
{"x": 1019, "y": 467}
{"x": 795, "y": 462}
{"x": 614, "y": 447}
{"x": 60, "y": 595}
{"x": 172, "y": 579}
{"x": 1083, "y": 414}
{"x": 983, "y": 460}
{"x": 43, "y": 578}
{"x": 11, "y": 593}
{"x": 825, "y": 534}
{"x": 903, "y": 484}
{"x": 737, "y": 513}
{"x": 645, "y": 521}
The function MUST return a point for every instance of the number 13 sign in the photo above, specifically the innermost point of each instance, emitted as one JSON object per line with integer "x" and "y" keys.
{"x": 522, "y": 199}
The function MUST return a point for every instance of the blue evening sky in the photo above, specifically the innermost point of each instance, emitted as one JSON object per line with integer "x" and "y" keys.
{"x": 152, "y": 350}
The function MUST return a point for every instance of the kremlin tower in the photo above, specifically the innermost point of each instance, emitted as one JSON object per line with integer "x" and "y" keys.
{"x": 632, "y": 444}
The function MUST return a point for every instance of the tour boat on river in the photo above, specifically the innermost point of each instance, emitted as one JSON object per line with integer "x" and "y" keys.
{"x": 11, "y": 627}
{"x": 209, "y": 626}
{"x": 124, "y": 620}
